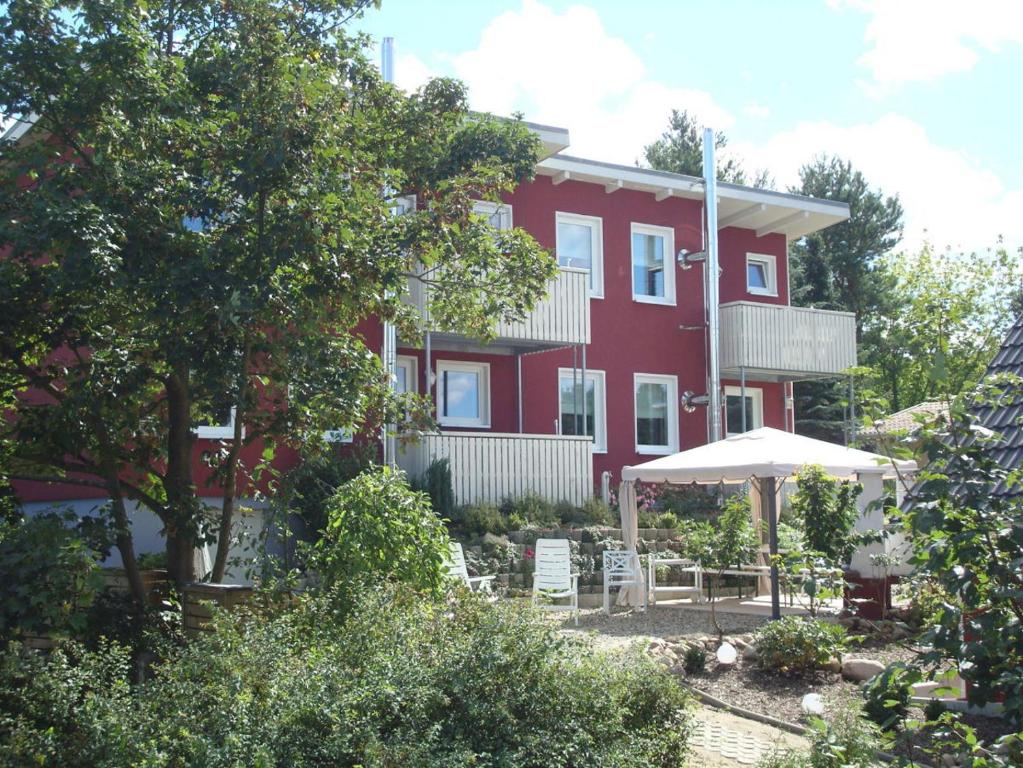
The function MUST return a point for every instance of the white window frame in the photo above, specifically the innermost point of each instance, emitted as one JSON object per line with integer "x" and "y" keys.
{"x": 217, "y": 431}
{"x": 483, "y": 371}
{"x": 672, "y": 383}
{"x": 599, "y": 405}
{"x": 489, "y": 209}
{"x": 596, "y": 225}
{"x": 770, "y": 264}
{"x": 669, "y": 263}
{"x": 756, "y": 394}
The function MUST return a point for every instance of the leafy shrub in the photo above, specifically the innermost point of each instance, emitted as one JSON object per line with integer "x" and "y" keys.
{"x": 436, "y": 482}
{"x": 478, "y": 519}
{"x": 666, "y": 520}
{"x": 595, "y": 512}
{"x": 845, "y": 740}
{"x": 797, "y": 645}
{"x": 688, "y": 502}
{"x": 380, "y": 529}
{"x": 403, "y": 681}
{"x": 532, "y": 508}
{"x": 887, "y": 695}
{"x": 694, "y": 660}
{"x": 306, "y": 489}
{"x": 49, "y": 573}
{"x": 827, "y": 509}
{"x": 934, "y": 709}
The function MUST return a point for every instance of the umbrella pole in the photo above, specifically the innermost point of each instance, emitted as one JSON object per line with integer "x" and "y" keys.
{"x": 768, "y": 499}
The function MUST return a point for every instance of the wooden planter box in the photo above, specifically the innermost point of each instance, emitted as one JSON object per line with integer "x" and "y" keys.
{"x": 155, "y": 583}
{"x": 197, "y": 602}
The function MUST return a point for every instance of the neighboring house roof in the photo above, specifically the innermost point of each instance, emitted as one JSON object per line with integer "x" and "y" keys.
{"x": 1006, "y": 417}
{"x": 905, "y": 421}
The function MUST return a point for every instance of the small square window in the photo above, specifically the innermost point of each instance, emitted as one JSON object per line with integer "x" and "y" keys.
{"x": 761, "y": 274}
{"x": 653, "y": 264}
{"x": 463, "y": 394}
{"x": 580, "y": 245}
{"x": 221, "y": 429}
{"x": 498, "y": 214}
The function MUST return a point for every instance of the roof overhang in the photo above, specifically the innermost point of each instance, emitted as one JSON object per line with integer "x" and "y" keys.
{"x": 761, "y": 210}
{"x": 553, "y": 139}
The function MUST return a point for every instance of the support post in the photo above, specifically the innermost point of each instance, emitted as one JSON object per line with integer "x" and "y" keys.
{"x": 768, "y": 498}
{"x": 586, "y": 430}
{"x": 711, "y": 275}
{"x": 518, "y": 387}
{"x": 742, "y": 395}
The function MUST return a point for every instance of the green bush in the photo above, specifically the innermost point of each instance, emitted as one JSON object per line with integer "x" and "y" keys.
{"x": 694, "y": 660}
{"x": 593, "y": 512}
{"x": 886, "y": 696}
{"x": 478, "y": 519}
{"x": 666, "y": 520}
{"x": 403, "y": 681}
{"x": 49, "y": 573}
{"x": 436, "y": 482}
{"x": 380, "y": 529}
{"x": 306, "y": 489}
{"x": 531, "y": 507}
{"x": 688, "y": 502}
{"x": 844, "y": 740}
{"x": 796, "y": 645}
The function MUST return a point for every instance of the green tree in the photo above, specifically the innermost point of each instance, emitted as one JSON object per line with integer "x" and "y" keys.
{"x": 841, "y": 268}
{"x": 954, "y": 311}
{"x": 198, "y": 219}
{"x": 680, "y": 150}
{"x": 827, "y": 509}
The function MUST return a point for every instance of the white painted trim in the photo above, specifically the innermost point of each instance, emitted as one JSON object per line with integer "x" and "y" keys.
{"x": 669, "y": 263}
{"x": 756, "y": 394}
{"x": 596, "y": 225}
{"x": 217, "y": 431}
{"x": 770, "y": 264}
{"x": 483, "y": 395}
{"x": 672, "y": 384}
{"x": 412, "y": 374}
{"x": 489, "y": 209}
{"x": 599, "y": 405}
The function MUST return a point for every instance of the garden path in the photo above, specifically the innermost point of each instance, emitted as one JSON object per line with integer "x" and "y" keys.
{"x": 723, "y": 740}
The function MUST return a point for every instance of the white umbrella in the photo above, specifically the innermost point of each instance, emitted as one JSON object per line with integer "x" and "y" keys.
{"x": 630, "y": 537}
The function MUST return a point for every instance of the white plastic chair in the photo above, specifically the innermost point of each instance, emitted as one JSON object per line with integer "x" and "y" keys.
{"x": 553, "y": 578}
{"x": 458, "y": 571}
{"x": 622, "y": 569}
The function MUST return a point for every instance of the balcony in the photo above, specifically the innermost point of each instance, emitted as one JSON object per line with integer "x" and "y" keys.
{"x": 561, "y": 319}
{"x": 486, "y": 467}
{"x": 770, "y": 342}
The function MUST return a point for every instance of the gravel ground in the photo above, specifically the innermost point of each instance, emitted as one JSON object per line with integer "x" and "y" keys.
{"x": 623, "y": 627}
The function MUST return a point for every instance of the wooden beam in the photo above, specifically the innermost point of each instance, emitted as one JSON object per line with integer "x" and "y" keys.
{"x": 560, "y": 177}
{"x": 664, "y": 194}
{"x": 785, "y": 221}
{"x": 613, "y": 186}
{"x": 740, "y": 216}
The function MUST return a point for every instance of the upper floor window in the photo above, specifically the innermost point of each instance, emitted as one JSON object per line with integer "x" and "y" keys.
{"x": 656, "y": 400}
{"x": 463, "y": 394}
{"x": 570, "y": 406}
{"x": 761, "y": 274}
{"x": 736, "y": 402}
{"x": 580, "y": 244}
{"x": 653, "y": 264}
{"x": 221, "y": 427}
{"x": 498, "y": 214}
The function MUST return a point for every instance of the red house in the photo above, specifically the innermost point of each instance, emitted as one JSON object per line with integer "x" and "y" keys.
{"x": 626, "y": 315}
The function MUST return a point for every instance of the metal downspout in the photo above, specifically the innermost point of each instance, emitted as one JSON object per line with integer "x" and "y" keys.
{"x": 390, "y": 346}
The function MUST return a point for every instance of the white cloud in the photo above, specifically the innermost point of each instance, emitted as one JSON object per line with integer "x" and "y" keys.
{"x": 756, "y": 111}
{"x": 947, "y": 196}
{"x": 921, "y": 40}
{"x": 410, "y": 72}
{"x": 575, "y": 75}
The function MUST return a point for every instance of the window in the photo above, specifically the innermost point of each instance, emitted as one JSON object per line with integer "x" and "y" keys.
{"x": 580, "y": 244}
{"x": 656, "y": 413}
{"x": 463, "y": 394}
{"x": 221, "y": 429}
{"x": 761, "y": 274}
{"x": 406, "y": 371}
{"x": 754, "y": 405}
{"x": 498, "y": 214}
{"x": 653, "y": 264}
{"x": 570, "y": 406}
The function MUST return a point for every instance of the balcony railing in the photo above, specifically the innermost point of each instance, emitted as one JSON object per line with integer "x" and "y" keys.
{"x": 770, "y": 342}
{"x": 488, "y": 466}
{"x": 562, "y": 318}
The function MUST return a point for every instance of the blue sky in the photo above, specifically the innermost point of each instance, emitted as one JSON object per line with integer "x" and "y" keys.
{"x": 922, "y": 95}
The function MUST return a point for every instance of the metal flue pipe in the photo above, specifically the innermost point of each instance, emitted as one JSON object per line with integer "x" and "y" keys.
{"x": 711, "y": 275}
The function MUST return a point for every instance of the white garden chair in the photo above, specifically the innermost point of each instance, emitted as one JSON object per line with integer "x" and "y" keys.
{"x": 458, "y": 571}
{"x": 553, "y": 578}
{"x": 622, "y": 569}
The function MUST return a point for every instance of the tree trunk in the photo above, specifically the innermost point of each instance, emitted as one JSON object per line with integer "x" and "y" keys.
{"x": 182, "y": 502}
{"x": 126, "y": 546}
{"x": 227, "y": 508}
